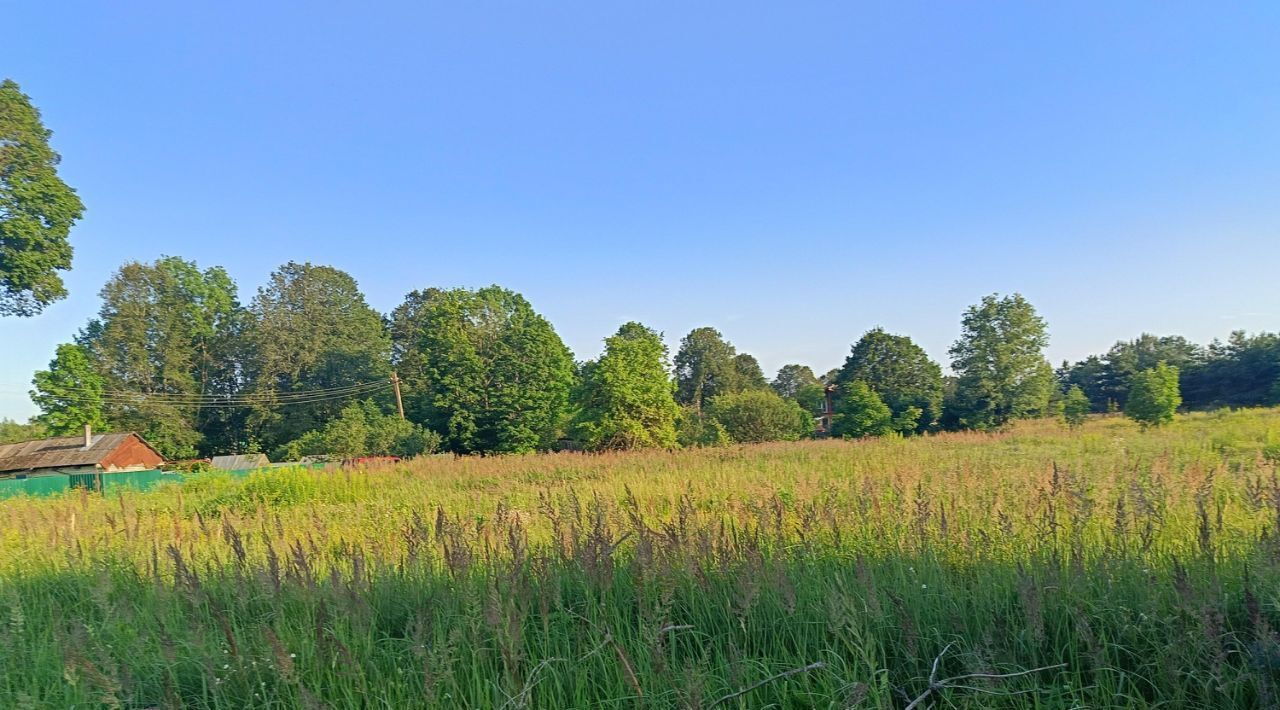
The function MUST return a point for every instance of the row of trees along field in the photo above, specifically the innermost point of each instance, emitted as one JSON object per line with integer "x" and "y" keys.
{"x": 304, "y": 368}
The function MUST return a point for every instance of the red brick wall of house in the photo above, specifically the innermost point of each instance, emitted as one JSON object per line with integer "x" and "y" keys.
{"x": 132, "y": 453}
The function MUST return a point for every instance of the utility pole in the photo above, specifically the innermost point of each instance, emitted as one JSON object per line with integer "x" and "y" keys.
{"x": 395, "y": 382}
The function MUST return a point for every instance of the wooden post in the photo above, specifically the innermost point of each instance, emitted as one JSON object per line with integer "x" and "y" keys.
{"x": 395, "y": 382}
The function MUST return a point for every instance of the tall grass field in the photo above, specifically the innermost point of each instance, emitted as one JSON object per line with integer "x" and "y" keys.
{"x": 1040, "y": 567}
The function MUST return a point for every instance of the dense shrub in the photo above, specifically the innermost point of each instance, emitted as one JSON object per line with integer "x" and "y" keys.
{"x": 861, "y": 413}
{"x": 362, "y": 429}
{"x": 753, "y": 416}
{"x": 1154, "y": 396}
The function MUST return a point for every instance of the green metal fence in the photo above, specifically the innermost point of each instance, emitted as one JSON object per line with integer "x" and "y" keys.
{"x": 107, "y": 483}
{"x": 36, "y": 486}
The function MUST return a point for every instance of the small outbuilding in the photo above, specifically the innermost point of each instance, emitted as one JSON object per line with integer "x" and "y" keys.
{"x": 240, "y": 462}
{"x": 92, "y": 453}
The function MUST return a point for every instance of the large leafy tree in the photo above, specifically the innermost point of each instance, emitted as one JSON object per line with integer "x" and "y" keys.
{"x": 999, "y": 363}
{"x": 69, "y": 393}
{"x": 483, "y": 369}
{"x": 899, "y": 372}
{"x": 37, "y": 209}
{"x": 625, "y": 399}
{"x": 310, "y": 332}
{"x": 798, "y": 383}
{"x": 747, "y": 374}
{"x": 162, "y": 338}
{"x": 792, "y": 379}
{"x": 407, "y": 356}
{"x": 704, "y": 367}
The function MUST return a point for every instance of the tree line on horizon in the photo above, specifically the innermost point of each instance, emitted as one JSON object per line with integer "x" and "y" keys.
{"x": 302, "y": 370}
{"x": 174, "y": 355}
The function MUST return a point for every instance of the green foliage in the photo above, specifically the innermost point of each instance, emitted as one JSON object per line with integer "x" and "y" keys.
{"x": 757, "y": 415}
{"x": 1089, "y": 375}
{"x": 1271, "y": 449}
{"x": 362, "y": 429}
{"x": 704, "y": 367}
{"x": 704, "y": 578}
{"x": 69, "y": 393}
{"x": 797, "y": 382}
{"x": 12, "y": 432}
{"x": 697, "y": 428}
{"x": 482, "y": 368}
{"x": 37, "y": 209}
{"x": 191, "y": 466}
{"x": 274, "y": 489}
{"x": 1126, "y": 359}
{"x": 861, "y": 412}
{"x": 1154, "y": 396}
{"x": 747, "y": 373}
{"x": 625, "y": 399}
{"x": 908, "y": 420}
{"x": 999, "y": 363}
{"x": 792, "y": 379}
{"x": 812, "y": 398}
{"x": 310, "y": 329}
{"x": 165, "y": 332}
{"x": 1075, "y": 407}
{"x": 1240, "y": 372}
{"x": 899, "y": 372}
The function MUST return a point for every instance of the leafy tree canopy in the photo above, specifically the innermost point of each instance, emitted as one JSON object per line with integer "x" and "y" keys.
{"x": 705, "y": 367}
{"x": 69, "y": 393}
{"x": 696, "y": 428}
{"x": 310, "y": 329}
{"x": 899, "y": 372}
{"x": 791, "y": 379}
{"x": 12, "y": 432}
{"x": 999, "y": 363}
{"x": 37, "y": 209}
{"x": 747, "y": 373}
{"x": 164, "y": 334}
{"x": 483, "y": 369}
{"x": 625, "y": 400}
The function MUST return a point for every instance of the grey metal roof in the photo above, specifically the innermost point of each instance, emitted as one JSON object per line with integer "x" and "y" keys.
{"x": 240, "y": 462}
{"x": 58, "y": 452}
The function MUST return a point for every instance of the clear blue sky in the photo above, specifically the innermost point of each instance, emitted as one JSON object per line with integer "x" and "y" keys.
{"x": 790, "y": 176}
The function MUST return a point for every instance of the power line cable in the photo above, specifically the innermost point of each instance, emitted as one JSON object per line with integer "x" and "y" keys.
{"x": 243, "y": 395}
{"x": 125, "y": 398}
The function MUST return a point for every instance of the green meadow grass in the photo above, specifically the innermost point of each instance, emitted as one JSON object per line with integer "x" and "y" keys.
{"x": 1104, "y": 567}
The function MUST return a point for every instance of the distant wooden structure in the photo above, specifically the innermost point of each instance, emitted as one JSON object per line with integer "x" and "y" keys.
{"x": 828, "y": 413}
